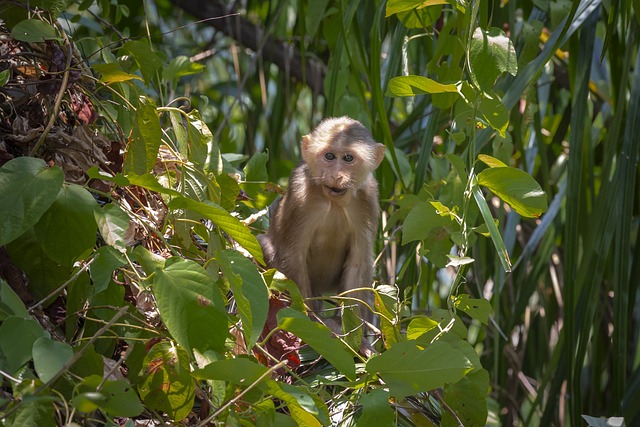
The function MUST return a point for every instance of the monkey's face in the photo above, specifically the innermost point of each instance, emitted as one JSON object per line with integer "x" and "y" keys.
{"x": 341, "y": 155}
{"x": 336, "y": 171}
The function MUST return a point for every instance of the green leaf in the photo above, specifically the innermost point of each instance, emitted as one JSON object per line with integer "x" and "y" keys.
{"x": 181, "y": 66}
{"x": 34, "y": 413}
{"x": 178, "y": 126}
{"x": 501, "y": 249}
{"x": 4, "y": 77}
{"x": 94, "y": 173}
{"x": 10, "y": 303}
{"x": 397, "y": 6}
{"x": 478, "y": 308}
{"x": 244, "y": 372}
{"x": 33, "y": 31}
{"x": 468, "y": 401}
{"x": 491, "y": 53}
{"x": 492, "y": 162}
{"x": 148, "y": 260}
{"x": 148, "y": 61}
{"x": 145, "y": 139}
{"x": 88, "y": 401}
{"x": 27, "y": 189}
{"x": 420, "y": 326}
{"x": 425, "y": 329}
{"x": 90, "y": 363}
{"x": 223, "y": 219}
{"x": 49, "y": 357}
{"x": 187, "y": 300}
{"x": 417, "y": 85}
{"x": 150, "y": 182}
{"x": 168, "y": 386}
{"x": 120, "y": 399}
{"x": 249, "y": 290}
{"x": 495, "y": 114}
{"x": 45, "y": 275}
{"x": 113, "y": 223}
{"x": 409, "y": 369}
{"x": 105, "y": 261}
{"x": 256, "y": 168}
{"x": 241, "y": 371}
{"x": 204, "y": 151}
{"x": 319, "y": 338}
{"x": 517, "y": 188}
{"x": 67, "y": 231}
{"x": 376, "y": 410}
{"x": 421, "y": 220}
{"x": 17, "y": 336}
{"x": 112, "y": 73}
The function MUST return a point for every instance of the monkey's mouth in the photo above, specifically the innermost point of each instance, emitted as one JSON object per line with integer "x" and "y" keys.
{"x": 333, "y": 191}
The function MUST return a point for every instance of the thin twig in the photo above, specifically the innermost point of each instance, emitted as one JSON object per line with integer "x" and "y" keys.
{"x": 59, "y": 96}
{"x": 61, "y": 287}
{"x": 74, "y": 358}
{"x": 240, "y": 395}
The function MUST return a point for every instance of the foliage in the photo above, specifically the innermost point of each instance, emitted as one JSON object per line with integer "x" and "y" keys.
{"x": 134, "y": 181}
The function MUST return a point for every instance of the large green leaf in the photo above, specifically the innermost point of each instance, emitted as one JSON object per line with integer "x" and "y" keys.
{"x": 467, "y": 398}
{"x": 147, "y": 60}
{"x": 67, "y": 231}
{"x": 319, "y": 338}
{"x": 398, "y": 6}
{"x": 491, "y": 53}
{"x": 113, "y": 73}
{"x": 190, "y": 305}
{"x": 376, "y": 410}
{"x": 418, "y": 85}
{"x": 168, "y": 386}
{"x": 249, "y": 290}
{"x": 421, "y": 220}
{"x": 34, "y": 30}
{"x": 113, "y": 223}
{"x": 145, "y": 139}
{"x": 478, "y": 308}
{"x": 495, "y": 114}
{"x": 408, "y": 369}
{"x": 17, "y": 336}
{"x": 105, "y": 261}
{"x": 223, "y": 219}
{"x": 34, "y": 413}
{"x": 116, "y": 398}
{"x": 10, "y": 303}
{"x": 517, "y": 188}
{"x": 27, "y": 189}
{"x": 256, "y": 168}
{"x": 45, "y": 275}
{"x": 49, "y": 357}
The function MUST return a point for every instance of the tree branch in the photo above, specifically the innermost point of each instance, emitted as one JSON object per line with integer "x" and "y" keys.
{"x": 285, "y": 55}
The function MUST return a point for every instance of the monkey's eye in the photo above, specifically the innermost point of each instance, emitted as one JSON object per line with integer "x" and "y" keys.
{"x": 348, "y": 158}
{"x": 330, "y": 156}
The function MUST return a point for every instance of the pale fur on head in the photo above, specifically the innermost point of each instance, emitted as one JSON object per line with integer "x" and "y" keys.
{"x": 344, "y": 135}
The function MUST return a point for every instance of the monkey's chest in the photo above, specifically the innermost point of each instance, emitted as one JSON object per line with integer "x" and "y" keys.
{"x": 328, "y": 252}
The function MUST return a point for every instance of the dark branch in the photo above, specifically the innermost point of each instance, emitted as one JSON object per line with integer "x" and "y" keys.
{"x": 285, "y": 55}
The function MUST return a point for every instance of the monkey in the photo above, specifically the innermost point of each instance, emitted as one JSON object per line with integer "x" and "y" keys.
{"x": 322, "y": 230}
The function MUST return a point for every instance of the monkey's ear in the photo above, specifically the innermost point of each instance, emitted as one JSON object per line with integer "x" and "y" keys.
{"x": 379, "y": 150}
{"x": 304, "y": 147}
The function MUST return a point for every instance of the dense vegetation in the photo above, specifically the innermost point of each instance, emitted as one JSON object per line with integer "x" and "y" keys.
{"x": 142, "y": 142}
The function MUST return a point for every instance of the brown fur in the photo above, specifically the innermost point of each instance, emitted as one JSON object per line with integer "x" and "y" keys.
{"x": 322, "y": 231}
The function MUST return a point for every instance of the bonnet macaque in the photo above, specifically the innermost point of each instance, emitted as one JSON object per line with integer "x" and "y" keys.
{"x": 322, "y": 230}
